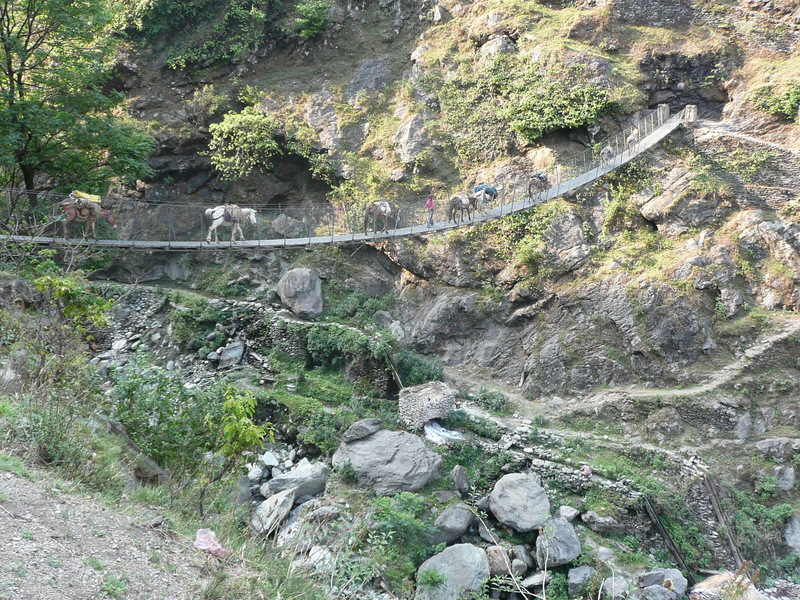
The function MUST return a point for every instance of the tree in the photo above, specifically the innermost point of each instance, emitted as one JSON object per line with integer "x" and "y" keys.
{"x": 57, "y": 123}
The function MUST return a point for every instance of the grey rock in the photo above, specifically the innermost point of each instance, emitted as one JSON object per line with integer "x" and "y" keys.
{"x": 791, "y": 534}
{"x": 254, "y": 472}
{"x": 578, "y": 578}
{"x": 421, "y": 403}
{"x": 441, "y": 14}
{"x": 411, "y": 138}
{"x": 486, "y": 534}
{"x": 390, "y": 462}
{"x": 459, "y": 478}
{"x": 616, "y": 587}
{"x": 518, "y": 567}
{"x": 373, "y": 74}
{"x": 538, "y": 579}
{"x": 286, "y": 226}
{"x": 324, "y": 514}
{"x": 497, "y": 45}
{"x": 321, "y": 116}
{"x": 499, "y": 563}
{"x": 780, "y": 449}
{"x": 483, "y": 503}
{"x": 269, "y": 515}
{"x": 557, "y": 544}
{"x": 361, "y": 429}
{"x": 654, "y": 577}
{"x": 519, "y": 502}
{"x": 522, "y": 553}
{"x": 464, "y": 567}
{"x": 231, "y": 355}
{"x": 604, "y": 525}
{"x": 445, "y": 496}
{"x": 451, "y": 524}
{"x": 679, "y": 582}
{"x": 307, "y": 479}
{"x": 785, "y": 475}
{"x": 568, "y": 512}
{"x": 269, "y": 460}
{"x": 656, "y": 592}
{"x": 301, "y": 292}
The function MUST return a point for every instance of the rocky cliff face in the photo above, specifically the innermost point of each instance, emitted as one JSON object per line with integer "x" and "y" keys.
{"x": 642, "y": 278}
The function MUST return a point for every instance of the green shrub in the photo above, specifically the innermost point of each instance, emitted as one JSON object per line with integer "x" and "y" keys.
{"x": 758, "y": 528}
{"x": 784, "y": 104}
{"x": 332, "y": 345}
{"x": 496, "y": 402}
{"x": 313, "y": 17}
{"x": 459, "y": 419}
{"x": 415, "y": 369}
{"x": 399, "y": 535}
{"x": 482, "y": 471}
{"x": 167, "y": 420}
{"x": 353, "y": 307}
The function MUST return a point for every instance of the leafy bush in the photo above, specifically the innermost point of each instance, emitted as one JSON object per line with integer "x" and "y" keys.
{"x": 194, "y": 321}
{"x": 478, "y": 425}
{"x": 331, "y": 344}
{"x": 167, "y": 420}
{"x": 353, "y": 307}
{"x": 244, "y": 143}
{"x": 399, "y": 534}
{"x": 481, "y": 107}
{"x": 415, "y": 369}
{"x": 757, "y": 529}
{"x": 483, "y": 472}
{"x": 313, "y": 18}
{"x": 785, "y": 104}
{"x": 496, "y": 402}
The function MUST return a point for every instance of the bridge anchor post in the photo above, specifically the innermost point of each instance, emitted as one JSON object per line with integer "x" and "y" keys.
{"x": 690, "y": 115}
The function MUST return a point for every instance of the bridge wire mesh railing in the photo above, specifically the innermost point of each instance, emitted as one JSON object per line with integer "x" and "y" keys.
{"x": 171, "y": 222}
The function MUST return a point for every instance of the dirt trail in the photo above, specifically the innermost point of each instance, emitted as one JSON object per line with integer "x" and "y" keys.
{"x": 58, "y": 545}
{"x": 530, "y": 408}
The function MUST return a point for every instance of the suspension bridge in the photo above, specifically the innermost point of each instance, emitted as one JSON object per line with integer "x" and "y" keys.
{"x": 166, "y": 226}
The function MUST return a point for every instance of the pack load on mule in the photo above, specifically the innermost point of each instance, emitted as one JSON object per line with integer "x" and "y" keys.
{"x": 381, "y": 211}
{"x": 486, "y": 189}
{"x": 85, "y": 208}
{"x": 538, "y": 182}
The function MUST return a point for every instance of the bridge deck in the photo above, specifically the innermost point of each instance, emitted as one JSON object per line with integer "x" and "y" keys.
{"x": 656, "y": 132}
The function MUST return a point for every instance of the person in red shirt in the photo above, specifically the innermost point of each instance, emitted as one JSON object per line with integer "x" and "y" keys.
{"x": 430, "y": 206}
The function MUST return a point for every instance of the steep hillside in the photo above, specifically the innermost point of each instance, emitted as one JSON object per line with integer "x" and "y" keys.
{"x": 630, "y": 348}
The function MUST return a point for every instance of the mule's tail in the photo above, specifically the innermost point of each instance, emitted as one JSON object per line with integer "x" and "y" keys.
{"x": 208, "y": 216}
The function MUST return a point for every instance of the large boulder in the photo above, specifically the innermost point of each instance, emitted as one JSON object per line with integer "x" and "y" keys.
{"x": 578, "y": 578}
{"x": 451, "y": 524}
{"x": 557, "y": 544}
{"x": 288, "y": 227}
{"x": 421, "y": 403}
{"x": 306, "y": 479}
{"x": 519, "y": 501}
{"x": 411, "y": 138}
{"x": 231, "y": 354}
{"x": 791, "y": 534}
{"x": 718, "y": 587}
{"x": 390, "y": 462}
{"x": 464, "y": 567}
{"x": 605, "y": 525}
{"x": 616, "y": 587}
{"x": 269, "y": 515}
{"x": 301, "y": 292}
